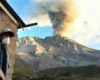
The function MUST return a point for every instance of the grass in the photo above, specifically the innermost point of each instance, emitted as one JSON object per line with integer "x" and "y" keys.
{"x": 22, "y": 71}
{"x": 64, "y": 73}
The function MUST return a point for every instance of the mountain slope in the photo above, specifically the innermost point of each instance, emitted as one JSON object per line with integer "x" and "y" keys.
{"x": 55, "y": 51}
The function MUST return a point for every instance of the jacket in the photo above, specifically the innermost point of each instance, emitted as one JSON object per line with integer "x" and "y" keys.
{"x": 4, "y": 59}
{"x": 1, "y": 56}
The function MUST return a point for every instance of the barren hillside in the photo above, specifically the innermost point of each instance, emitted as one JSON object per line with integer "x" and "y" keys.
{"x": 55, "y": 51}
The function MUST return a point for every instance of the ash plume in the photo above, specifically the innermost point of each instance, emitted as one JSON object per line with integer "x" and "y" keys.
{"x": 62, "y": 14}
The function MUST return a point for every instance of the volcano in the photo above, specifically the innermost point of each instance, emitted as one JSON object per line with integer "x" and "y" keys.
{"x": 55, "y": 51}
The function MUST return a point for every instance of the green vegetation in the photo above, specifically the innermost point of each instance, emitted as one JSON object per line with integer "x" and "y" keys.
{"x": 65, "y": 73}
{"x": 22, "y": 71}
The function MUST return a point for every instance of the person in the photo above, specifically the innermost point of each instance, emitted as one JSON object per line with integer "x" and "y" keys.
{"x": 5, "y": 35}
{"x": 2, "y": 77}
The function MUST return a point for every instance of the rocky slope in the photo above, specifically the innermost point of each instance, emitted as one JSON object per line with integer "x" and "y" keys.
{"x": 55, "y": 51}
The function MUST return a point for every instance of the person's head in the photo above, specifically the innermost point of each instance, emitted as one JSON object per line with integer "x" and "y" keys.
{"x": 5, "y": 36}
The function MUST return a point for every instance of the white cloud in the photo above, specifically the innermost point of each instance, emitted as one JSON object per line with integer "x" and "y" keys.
{"x": 87, "y": 26}
{"x": 42, "y": 20}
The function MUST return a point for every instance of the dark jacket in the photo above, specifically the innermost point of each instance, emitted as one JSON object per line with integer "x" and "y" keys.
{"x": 1, "y": 57}
{"x": 4, "y": 58}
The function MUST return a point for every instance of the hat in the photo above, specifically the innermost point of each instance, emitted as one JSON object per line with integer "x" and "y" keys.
{"x": 7, "y": 31}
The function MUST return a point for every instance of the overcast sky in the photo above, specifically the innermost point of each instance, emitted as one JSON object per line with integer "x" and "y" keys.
{"x": 90, "y": 36}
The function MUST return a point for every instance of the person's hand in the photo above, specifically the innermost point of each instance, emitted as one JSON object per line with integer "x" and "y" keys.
{"x": 2, "y": 77}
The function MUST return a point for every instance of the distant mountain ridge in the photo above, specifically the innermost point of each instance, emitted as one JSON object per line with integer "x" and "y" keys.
{"x": 55, "y": 51}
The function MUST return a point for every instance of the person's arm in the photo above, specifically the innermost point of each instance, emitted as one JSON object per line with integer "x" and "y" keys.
{"x": 8, "y": 59}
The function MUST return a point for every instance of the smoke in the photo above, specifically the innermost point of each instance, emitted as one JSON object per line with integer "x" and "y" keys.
{"x": 77, "y": 19}
{"x": 61, "y": 13}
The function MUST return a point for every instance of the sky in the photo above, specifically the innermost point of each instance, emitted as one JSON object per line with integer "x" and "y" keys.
{"x": 22, "y": 9}
{"x": 88, "y": 36}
